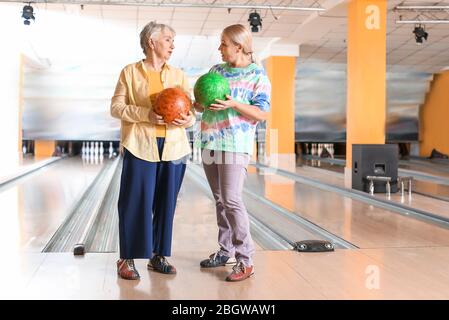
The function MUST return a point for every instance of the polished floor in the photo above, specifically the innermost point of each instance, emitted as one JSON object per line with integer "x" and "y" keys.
{"x": 396, "y": 273}
{"x": 35, "y": 205}
{"x": 399, "y": 257}
{"x": 420, "y": 201}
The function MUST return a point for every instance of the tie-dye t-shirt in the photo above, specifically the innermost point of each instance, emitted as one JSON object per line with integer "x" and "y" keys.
{"x": 228, "y": 130}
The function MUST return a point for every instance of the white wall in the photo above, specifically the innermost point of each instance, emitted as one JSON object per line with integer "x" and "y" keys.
{"x": 9, "y": 87}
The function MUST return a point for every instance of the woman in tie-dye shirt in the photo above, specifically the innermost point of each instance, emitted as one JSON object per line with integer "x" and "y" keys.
{"x": 227, "y": 138}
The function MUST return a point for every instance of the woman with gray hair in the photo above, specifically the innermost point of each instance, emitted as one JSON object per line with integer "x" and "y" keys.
{"x": 154, "y": 154}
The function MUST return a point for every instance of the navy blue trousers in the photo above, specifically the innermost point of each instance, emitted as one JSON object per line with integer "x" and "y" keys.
{"x": 146, "y": 205}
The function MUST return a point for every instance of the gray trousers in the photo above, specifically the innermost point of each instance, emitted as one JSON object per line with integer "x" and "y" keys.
{"x": 226, "y": 173}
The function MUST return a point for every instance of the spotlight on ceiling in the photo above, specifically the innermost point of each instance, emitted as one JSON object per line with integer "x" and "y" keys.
{"x": 27, "y": 14}
{"x": 420, "y": 34}
{"x": 255, "y": 21}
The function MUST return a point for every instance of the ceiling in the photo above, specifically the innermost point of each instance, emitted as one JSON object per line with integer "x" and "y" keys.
{"x": 320, "y": 36}
{"x": 402, "y": 50}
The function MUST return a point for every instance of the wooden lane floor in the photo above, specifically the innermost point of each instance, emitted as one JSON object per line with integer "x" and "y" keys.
{"x": 418, "y": 201}
{"x": 361, "y": 224}
{"x": 384, "y": 273}
{"x": 35, "y": 205}
{"x": 195, "y": 225}
{"x": 426, "y": 188}
{"x": 390, "y": 273}
{"x": 16, "y": 163}
{"x": 429, "y": 167}
{"x": 380, "y": 272}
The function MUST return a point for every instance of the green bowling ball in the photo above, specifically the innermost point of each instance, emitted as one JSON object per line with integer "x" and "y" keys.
{"x": 209, "y": 87}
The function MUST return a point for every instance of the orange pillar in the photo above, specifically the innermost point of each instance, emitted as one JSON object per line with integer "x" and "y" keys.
{"x": 434, "y": 131}
{"x": 366, "y": 85}
{"x": 44, "y": 148}
{"x": 280, "y": 129}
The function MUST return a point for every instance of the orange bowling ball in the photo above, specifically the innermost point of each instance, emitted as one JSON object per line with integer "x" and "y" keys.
{"x": 170, "y": 103}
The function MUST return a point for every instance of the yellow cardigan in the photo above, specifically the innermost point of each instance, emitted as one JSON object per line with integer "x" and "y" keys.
{"x": 131, "y": 104}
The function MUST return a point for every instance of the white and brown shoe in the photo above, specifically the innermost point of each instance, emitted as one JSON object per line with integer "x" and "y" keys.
{"x": 240, "y": 272}
{"x": 127, "y": 270}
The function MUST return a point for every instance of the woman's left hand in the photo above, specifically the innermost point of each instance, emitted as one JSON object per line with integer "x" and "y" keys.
{"x": 185, "y": 119}
{"x": 223, "y": 104}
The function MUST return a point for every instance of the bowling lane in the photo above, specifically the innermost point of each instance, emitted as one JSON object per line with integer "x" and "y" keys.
{"x": 434, "y": 204}
{"x": 267, "y": 222}
{"x": 34, "y": 206}
{"x": 435, "y": 190}
{"x": 426, "y": 166}
{"x": 422, "y": 168}
{"x": 361, "y": 224}
{"x": 195, "y": 225}
{"x": 14, "y": 166}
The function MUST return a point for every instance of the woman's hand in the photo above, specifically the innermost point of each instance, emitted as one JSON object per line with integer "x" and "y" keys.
{"x": 185, "y": 119}
{"x": 156, "y": 119}
{"x": 198, "y": 107}
{"x": 223, "y": 104}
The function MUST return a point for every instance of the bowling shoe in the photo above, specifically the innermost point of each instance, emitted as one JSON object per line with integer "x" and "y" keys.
{"x": 127, "y": 270}
{"x": 240, "y": 272}
{"x": 216, "y": 260}
{"x": 160, "y": 264}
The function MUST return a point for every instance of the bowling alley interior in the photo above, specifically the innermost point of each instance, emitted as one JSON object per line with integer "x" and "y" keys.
{"x": 347, "y": 185}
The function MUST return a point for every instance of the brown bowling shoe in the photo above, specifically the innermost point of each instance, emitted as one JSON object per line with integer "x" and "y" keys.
{"x": 127, "y": 270}
{"x": 240, "y": 272}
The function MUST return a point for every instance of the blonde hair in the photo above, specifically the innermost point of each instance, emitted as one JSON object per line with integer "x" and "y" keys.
{"x": 240, "y": 35}
{"x": 151, "y": 31}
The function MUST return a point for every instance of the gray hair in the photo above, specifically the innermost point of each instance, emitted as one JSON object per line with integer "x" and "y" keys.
{"x": 151, "y": 31}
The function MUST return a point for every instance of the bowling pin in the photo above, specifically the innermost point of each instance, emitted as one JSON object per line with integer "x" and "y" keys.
{"x": 101, "y": 148}
{"x": 320, "y": 149}
{"x": 96, "y": 150}
{"x": 83, "y": 154}
{"x": 111, "y": 150}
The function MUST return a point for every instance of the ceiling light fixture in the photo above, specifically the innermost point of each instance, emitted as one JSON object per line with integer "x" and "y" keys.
{"x": 420, "y": 34}
{"x": 255, "y": 21}
{"x": 27, "y": 14}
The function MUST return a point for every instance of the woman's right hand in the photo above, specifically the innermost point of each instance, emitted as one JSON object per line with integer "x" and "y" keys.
{"x": 156, "y": 119}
